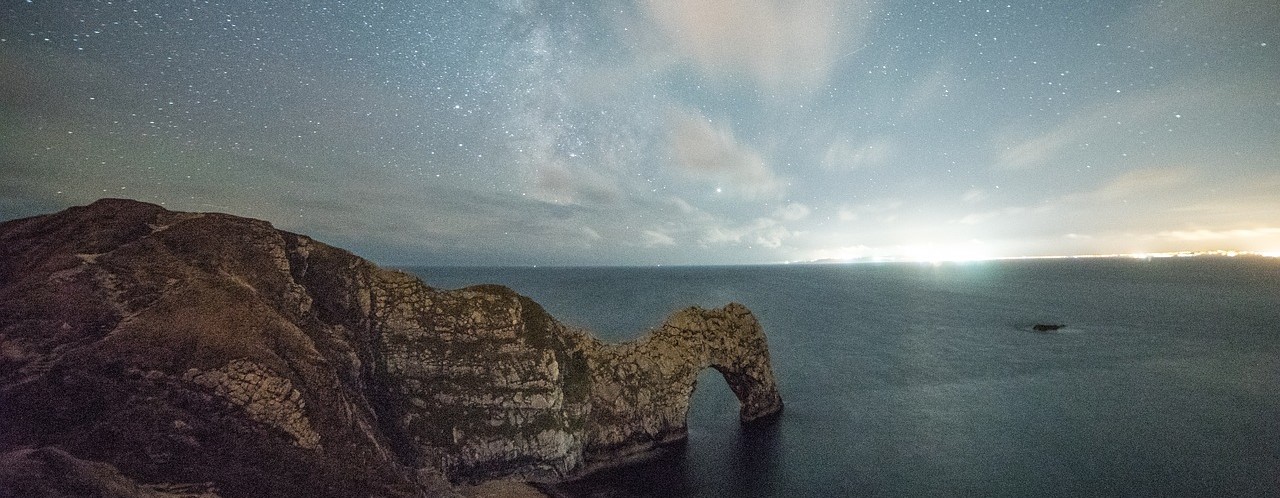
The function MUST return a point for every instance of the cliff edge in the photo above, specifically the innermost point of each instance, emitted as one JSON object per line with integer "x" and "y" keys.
{"x": 203, "y": 354}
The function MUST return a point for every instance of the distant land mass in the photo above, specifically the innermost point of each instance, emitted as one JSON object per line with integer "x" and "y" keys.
{"x": 1220, "y": 253}
{"x": 146, "y": 352}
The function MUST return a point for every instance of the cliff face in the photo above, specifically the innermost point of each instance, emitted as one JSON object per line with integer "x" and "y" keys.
{"x": 217, "y": 353}
{"x": 640, "y": 391}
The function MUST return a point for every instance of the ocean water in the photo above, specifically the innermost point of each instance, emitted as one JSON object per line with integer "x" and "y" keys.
{"x": 927, "y": 380}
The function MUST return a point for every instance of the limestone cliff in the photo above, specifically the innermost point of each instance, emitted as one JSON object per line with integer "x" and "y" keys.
{"x": 176, "y": 348}
{"x": 640, "y": 391}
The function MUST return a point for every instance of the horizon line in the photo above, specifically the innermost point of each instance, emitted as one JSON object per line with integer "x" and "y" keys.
{"x": 871, "y": 259}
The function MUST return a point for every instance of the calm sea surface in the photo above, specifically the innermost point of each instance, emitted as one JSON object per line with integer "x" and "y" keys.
{"x": 909, "y": 379}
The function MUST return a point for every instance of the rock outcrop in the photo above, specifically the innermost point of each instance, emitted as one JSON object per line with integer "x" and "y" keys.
{"x": 153, "y": 347}
{"x": 640, "y": 391}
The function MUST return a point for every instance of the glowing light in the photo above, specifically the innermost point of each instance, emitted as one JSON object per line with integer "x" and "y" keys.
{"x": 938, "y": 253}
{"x": 977, "y": 251}
{"x": 972, "y": 250}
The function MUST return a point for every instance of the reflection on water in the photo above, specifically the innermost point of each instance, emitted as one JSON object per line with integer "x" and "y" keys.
{"x": 750, "y": 465}
{"x": 910, "y": 380}
{"x": 755, "y": 460}
{"x": 664, "y": 475}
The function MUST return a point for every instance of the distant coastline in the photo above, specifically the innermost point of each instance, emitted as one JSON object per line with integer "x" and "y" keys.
{"x": 1139, "y": 255}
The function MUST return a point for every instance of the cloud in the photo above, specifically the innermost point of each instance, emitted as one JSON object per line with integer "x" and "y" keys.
{"x": 654, "y": 238}
{"x": 960, "y": 250}
{"x": 1244, "y": 198}
{"x": 1221, "y": 235}
{"x": 885, "y": 210}
{"x": 703, "y": 150}
{"x": 1039, "y": 149}
{"x": 1005, "y": 215}
{"x": 842, "y": 155}
{"x": 561, "y": 155}
{"x": 1260, "y": 238}
{"x": 1104, "y": 122}
{"x": 1142, "y": 181}
{"x": 591, "y": 234}
{"x": 559, "y": 184}
{"x": 684, "y": 206}
{"x": 792, "y": 212}
{"x": 924, "y": 92}
{"x": 764, "y": 232}
{"x": 974, "y": 195}
{"x": 782, "y": 44}
{"x": 768, "y": 232}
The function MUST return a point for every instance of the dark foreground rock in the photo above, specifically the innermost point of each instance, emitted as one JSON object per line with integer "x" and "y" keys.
{"x": 188, "y": 354}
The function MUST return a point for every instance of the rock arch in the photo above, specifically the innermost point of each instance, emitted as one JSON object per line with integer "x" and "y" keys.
{"x": 226, "y": 326}
{"x": 641, "y": 390}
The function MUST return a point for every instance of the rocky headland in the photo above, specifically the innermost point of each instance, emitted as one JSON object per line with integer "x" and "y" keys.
{"x": 145, "y": 352}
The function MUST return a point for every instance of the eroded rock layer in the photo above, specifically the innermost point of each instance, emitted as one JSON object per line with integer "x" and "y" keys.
{"x": 640, "y": 391}
{"x": 205, "y": 348}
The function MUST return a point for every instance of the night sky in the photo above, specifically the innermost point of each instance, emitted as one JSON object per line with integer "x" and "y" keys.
{"x": 660, "y": 131}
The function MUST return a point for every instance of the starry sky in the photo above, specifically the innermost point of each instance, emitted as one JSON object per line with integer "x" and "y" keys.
{"x": 647, "y": 132}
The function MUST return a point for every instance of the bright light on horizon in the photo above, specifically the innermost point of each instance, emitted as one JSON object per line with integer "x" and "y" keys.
{"x": 972, "y": 250}
{"x": 931, "y": 253}
{"x": 977, "y": 251}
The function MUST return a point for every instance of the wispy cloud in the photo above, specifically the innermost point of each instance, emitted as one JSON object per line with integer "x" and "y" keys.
{"x": 763, "y": 232}
{"x": 591, "y": 234}
{"x": 706, "y": 151}
{"x": 974, "y": 195}
{"x": 792, "y": 212}
{"x": 961, "y": 250}
{"x": 557, "y": 183}
{"x": 781, "y": 44}
{"x": 929, "y": 89}
{"x": 1096, "y": 124}
{"x": 1222, "y": 235}
{"x": 654, "y": 238}
{"x": 1039, "y": 149}
{"x": 1260, "y": 238}
{"x": 843, "y": 155}
{"x": 884, "y": 210}
{"x": 988, "y": 216}
{"x": 1139, "y": 182}
{"x": 770, "y": 232}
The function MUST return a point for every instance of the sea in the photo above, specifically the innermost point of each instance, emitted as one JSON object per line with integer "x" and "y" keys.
{"x": 910, "y": 379}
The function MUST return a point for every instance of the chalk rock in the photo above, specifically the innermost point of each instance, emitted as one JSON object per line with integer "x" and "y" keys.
{"x": 207, "y": 348}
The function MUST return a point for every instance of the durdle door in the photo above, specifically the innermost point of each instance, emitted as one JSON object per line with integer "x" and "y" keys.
{"x": 199, "y": 354}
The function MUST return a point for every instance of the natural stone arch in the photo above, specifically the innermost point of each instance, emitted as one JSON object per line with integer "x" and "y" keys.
{"x": 641, "y": 390}
{"x": 484, "y": 383}
{"x": 758, "y": 398}
{"x": 227, "y": 327}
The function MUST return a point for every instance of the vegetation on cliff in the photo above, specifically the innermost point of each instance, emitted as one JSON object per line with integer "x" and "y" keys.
{"x": 206, "y": 352}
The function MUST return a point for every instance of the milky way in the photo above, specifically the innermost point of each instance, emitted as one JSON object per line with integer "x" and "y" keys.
{"x": 662, "y": 131}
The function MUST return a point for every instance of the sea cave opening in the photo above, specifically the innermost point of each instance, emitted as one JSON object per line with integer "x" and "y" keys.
{"x": 723, "y": 456}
